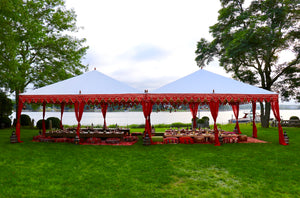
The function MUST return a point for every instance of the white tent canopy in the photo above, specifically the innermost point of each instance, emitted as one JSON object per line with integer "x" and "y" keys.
{"x": 93, "y": 82}
{"x": 199, "y": 87}
{"x": 205, "y": 82}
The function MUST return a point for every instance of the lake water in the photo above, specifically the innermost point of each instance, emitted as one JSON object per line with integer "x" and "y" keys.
{"x": 127, "y": 118}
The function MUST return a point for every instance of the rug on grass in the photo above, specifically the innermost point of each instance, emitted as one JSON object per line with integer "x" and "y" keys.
{"x": 116, "y": 144}
{"x": 249, "y": 140}
{"x": 90, "y": 141}
{"x": 253, "y": 140}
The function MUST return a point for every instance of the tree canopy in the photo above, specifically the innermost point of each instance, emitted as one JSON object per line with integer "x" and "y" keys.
{"x": 248, "y": 41}
{"x": 6, "y": 105}
{"x": 36, "y": 45}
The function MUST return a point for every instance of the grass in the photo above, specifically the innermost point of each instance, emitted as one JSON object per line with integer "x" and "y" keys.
{"x": 33, "y": 169}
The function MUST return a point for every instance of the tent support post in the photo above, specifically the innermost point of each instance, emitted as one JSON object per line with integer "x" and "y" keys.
{"x": 62, "y": 107}
{"x": 275, "y": 108}
{"x": 18, "y": 125}
{"x": 79, "y": 107}
{"x": 214, "y": 110}
{"x": 104, "y": 110}
{"x": 147, "y": 109}
{"x": 236, "y": 108}
{"x": 254, "y": 128}
{"x": 194, "y": 109}
{"x": 43, "y": 123}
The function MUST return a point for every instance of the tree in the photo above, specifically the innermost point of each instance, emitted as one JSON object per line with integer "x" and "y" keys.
{"x": 248, "y": 42}
{"x": 5, "y": 105}
{"x": 35, "y": 44}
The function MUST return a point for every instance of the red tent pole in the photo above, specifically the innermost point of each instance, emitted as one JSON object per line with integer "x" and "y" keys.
{"x": 275, "y": 108}
{"x": 43, "y": 123}
{"x": 194, "y": 109}
{"x": 236, "y": 109}
{"x": 104, "y": 110}
{"x": 147, "y": 109}
{"x": 254, "y": 128}
{"x": 62, "y": 107}
{"x": 214, "y": 109}
{"x": 18, "y": 125}
{"x": 79, "y": 107}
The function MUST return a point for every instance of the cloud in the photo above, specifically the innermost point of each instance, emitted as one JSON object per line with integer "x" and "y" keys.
{"x": 94, "y": 59}
{"x": 144, "y": 52}
{"x": 145, "y": 44}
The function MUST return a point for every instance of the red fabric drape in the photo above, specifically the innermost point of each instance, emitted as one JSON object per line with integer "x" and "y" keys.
{"x": 275, "y": 108}
{"x": 79, "y": 107}
{"x": 194, "y": 109}
{"x": 43, "y": 123}
{"x": 147, "y": 109}
{"x": 236, "y": 109}
{"x": 104, "y": 110}
{"x": 62, "y": 107}
{"x": 214, "y": 109}
{"x": 254, "y": 129}
{"x": 18, "y": 125}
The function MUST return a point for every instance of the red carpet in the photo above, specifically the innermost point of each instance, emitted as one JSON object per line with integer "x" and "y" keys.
{"x": 90, "y": 141}
{"x": 249, "y": 140}
{"x": 121, "y": 143}
{"x": 116, "y": 144}
{"x": 253, "y": 140}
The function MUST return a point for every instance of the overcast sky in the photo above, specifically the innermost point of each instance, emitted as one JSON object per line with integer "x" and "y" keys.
{"x": 145, "y": 44}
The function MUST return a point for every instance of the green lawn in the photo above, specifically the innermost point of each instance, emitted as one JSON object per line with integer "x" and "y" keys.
{"x": 32, "y": 169}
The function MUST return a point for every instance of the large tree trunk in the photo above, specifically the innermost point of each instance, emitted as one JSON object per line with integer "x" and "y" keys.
{"x": 265, "y": 114}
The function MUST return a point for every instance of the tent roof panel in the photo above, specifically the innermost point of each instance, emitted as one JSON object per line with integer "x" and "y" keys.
{"x": 205, "y": 82}
{"x": 93, "y": 82}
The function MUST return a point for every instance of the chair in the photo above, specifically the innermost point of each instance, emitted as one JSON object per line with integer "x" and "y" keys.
{"x": 227, "y": 139}
{"x": 130, "y": 138}
{"x": 186, "y": 140}
{"x": 112, "y": 140}
{"x": 171, "y": 140}
{"x": 230, "y": 139}
{"x": 212, "y": 139}
{"x": 93, "y": 140}
{"x": 199, "y": 139}
{"x": 61, "y": 139}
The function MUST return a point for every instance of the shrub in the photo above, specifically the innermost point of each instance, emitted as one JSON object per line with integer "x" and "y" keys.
{"x": 25, "y": 120}
{"x": 6, "y": 105}
{"x": 55, "y": 122}
{"x": 294, "y": 118}
{"x": 196, "y": 120}
{"x": 205, "y": 118}
{"x": 200, "y": 121}
{"x": 5, "y": 122}
{"x": 39, "y": 124}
